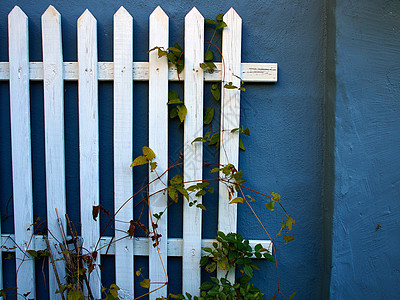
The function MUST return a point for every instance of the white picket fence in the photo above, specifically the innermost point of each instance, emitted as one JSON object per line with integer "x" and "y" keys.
{"x": 53, "y": 71}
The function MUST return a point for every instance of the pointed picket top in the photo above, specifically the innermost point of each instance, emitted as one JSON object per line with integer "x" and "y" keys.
{"x": 17, "y": 12}
{"x": 86, "y": 17}
{"x": 194, "y": 13}
{"x": 50, "y": 13}
{"x": 159, "y": 15}
{"x": 231, "y": 14}
{"x": 122, "y": 12}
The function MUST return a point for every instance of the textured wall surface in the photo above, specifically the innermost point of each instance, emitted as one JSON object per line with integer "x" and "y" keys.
{"x": 366, "y": 261}
{"x": 338, "y": 180}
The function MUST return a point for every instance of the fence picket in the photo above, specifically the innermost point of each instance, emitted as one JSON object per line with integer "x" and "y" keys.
{"x": 230, "y": 115}
{"x": 89, "y": 138}
{"x": 21, "y": 147}
{"x": 158, "y": 142}
{"x": 193, "y": 153}
{"x": 123, "y": 71}
{"x": 123, "y": 149}
{"x": 54, "y": 136}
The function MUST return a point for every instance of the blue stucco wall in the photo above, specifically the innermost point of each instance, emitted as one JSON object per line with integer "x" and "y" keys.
{"x": 366, "y": 261}
{"x": 323, "y": 136}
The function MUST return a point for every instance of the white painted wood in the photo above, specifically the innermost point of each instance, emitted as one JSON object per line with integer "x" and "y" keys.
{"x": 158, "y": 142}
{"x": 89, "y": 137}
{"x": 21, "y": 147}
{"x": 251, "y": 72}
{"x": 193, "y": 153}
{"x": 54, "y": 138}
{"x": 123, "y": 149}
{"x": 140, "y": 245}
{"x": 230, "y": 118}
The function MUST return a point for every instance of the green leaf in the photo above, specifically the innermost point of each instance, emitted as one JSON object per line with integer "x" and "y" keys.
{"x": 206, "y": 285}
{"x": 204, "y": 260}
{"x": 148, "y": 153}
{"x": 32, "y": 253}
{"x": 182, "y": 111}
{"x": 215, "y": 170}
{"x": 209, "y": 55}
{"x": 75, "y": 295}
{"x": 269, "y": 257}
{"x": 236, "y": 200}
{"x": 172, "y": 95}
{"x": 288, "y": 238}
{"x": 248, "y": 270}
{"x": 221, "y": 24}
{"x": 215, "y": 92}
{"x": 209, "y": 115}
{"x": 171, "y": 58}
{"x": 234, "y": 130}
{"x": 214, "y": 139}
{"x": 220, "y": 17}
{"x": 209, "y": 21}
{"x": 242, "y": 89}
{"x": 201, "y": 206}
{"x": 175, "y": 50}
{"x": 276, "y": 196}
{"x": 230, "y": 86}
{"x": 292, "y": 295}
{"x": 270, "y": 205}
{"x": 174, "y": 101}
{"x": 145, "y": 283}
{"x": 140, "y": 160}
{"x": 173, "y": 113}
{"x": 177, "y": 46}
{"x": 198, "y": 139}
{"x": 241, "y": 145}
{"x": 177, "y": 179}
{"x": 246, "y": 131}
{"x": 210, "y": 65}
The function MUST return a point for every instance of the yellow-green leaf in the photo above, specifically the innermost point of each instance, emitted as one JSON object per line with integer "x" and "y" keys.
{"x": 153, "y": 165}
{"x": 290, "y": 222}
{"x": 140, "y": 160}
{"x": 236, "y": 200}
{"x": 270, "y": 205}
{"x": 145, "y": 283}
{"x": 292, "y": 295}
{"x": 182, "y": 111}
{"x": 288, "y": 238}
{"x": 148, "y": 153}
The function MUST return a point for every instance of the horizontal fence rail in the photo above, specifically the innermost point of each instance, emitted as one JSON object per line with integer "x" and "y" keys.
{"x": 123, "y": 71}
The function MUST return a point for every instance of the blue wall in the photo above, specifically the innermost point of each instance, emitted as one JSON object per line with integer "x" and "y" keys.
{"x": 366, "y": 261}
{"x": 323, "y": 136}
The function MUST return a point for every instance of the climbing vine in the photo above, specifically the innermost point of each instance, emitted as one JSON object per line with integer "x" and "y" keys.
{"x": 229, "y": 251}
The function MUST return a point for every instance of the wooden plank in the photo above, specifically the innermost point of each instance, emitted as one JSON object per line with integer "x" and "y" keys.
{"x": 230, "y": 118}
{"x": 251, "y": 72}
{"x": 140, "y": 245}
{"x": 123, "y": 149}
{"x": 158, "y": 142}
{"x": 54, "y": 137}
{"x": 193, "y": 153}
{"x": 89, "y": 138}
{"x": 21, "y": 146}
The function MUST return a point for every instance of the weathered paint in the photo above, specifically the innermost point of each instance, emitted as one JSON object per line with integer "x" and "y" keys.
{"x": 365, "y": 260}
